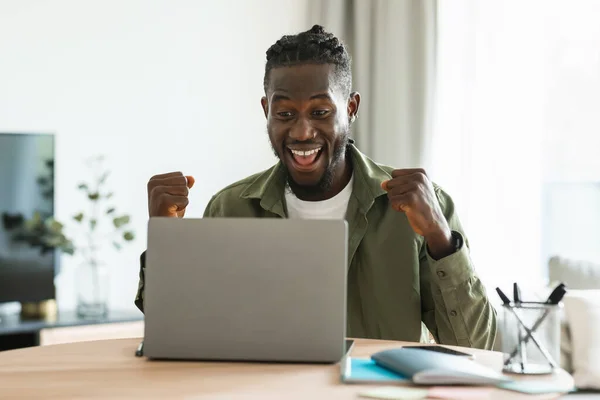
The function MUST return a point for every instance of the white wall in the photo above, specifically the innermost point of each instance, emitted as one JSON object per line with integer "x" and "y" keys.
{"x": 155, "y": 86}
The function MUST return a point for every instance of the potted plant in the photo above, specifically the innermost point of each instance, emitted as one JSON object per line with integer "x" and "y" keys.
{"x": 101, "y": 226}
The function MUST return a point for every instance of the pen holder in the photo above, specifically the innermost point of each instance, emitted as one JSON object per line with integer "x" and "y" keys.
{"x": 531, "y": 338}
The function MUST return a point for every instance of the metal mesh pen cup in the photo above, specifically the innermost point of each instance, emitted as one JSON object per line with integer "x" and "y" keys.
{"x": 531, "y": 338}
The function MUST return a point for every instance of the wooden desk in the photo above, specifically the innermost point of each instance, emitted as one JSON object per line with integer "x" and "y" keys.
{"x": 109, "y": 369}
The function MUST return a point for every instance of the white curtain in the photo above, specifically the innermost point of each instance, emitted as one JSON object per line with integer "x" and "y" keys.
{"x": 392, "y": 43}
{"x": 488, "y": 131}
{"x": 459, "y": 87}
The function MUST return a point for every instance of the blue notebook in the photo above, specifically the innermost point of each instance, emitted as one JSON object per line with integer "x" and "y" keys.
{"x": 423, "y": 367}
{"x": 365, "y": 370}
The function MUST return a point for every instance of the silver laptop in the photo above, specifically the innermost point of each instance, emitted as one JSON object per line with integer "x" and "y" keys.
{"x": 246, "y": 289}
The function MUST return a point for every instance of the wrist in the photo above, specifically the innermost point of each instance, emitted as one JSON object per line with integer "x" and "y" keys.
{"x": 440, "y": 244}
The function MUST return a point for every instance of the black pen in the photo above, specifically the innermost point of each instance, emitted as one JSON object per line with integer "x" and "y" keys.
{"x": 557, "y": 294}
{"x": 522, "y": 347}
{"x": 516, "y": 293}
{"x": 504, "y": 298}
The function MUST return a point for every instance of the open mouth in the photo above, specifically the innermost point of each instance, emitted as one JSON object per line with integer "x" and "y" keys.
{"x": 305, "y": 159}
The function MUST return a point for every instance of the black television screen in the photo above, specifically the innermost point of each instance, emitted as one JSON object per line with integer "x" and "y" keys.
{"x": 27, "y": 268}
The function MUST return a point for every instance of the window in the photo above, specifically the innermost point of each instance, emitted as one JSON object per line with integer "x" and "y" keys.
{"x": 517, "y": 131}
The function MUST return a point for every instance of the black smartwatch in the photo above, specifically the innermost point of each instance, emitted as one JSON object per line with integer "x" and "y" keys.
{"x": 457, "y": 241}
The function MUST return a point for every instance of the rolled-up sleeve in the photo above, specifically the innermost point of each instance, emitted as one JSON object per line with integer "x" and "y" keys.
{"x": 455, "y": 305}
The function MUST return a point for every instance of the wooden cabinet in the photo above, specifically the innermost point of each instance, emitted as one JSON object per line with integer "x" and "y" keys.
{"x": 84, "y": 333}
{"x": 66, "y": 327}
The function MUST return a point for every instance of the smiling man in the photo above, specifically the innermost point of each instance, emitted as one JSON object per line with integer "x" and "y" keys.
{"x": 409, "y": 266}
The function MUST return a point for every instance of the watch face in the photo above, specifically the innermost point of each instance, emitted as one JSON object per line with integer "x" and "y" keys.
{"x": 457, "y": 240}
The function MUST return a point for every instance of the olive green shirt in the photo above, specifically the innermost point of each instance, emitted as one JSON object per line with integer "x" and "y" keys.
{"x": 396, "y": 290}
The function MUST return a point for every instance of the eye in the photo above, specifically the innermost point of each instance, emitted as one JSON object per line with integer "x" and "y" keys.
{"x": 320, "y": 113}
{"x": 285, "y": 114}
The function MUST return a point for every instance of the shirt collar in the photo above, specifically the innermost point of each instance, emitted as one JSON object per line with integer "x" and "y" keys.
{"x": 269, "y": 187}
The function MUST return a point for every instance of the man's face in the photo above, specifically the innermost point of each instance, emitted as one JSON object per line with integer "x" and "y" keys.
{"x": 308, "y": 123}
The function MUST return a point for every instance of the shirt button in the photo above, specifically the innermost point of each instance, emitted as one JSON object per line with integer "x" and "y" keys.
{"x": 453, "y": 313}
{"x": 441, "y": 274}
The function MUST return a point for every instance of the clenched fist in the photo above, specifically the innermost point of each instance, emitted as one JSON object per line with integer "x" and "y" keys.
{"x": 410, "y": 191}
{"x": 168, "y": 194}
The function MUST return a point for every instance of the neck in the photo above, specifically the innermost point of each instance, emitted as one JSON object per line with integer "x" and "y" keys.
{"x": 341, "y": 177}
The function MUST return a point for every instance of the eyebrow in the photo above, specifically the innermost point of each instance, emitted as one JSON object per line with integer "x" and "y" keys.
{"x": 280, "y": 97}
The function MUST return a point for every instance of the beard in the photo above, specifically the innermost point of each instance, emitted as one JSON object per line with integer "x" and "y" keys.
{"x": 326, "y": 181}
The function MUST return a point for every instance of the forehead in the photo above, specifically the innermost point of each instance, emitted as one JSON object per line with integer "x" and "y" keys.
{"x": 302, "y": 81}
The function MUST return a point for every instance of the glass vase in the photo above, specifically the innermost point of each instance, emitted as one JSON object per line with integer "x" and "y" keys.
{"x": 92, "y": 290}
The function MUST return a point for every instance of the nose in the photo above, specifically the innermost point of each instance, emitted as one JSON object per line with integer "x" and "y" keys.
{"x": 302, "y": 130}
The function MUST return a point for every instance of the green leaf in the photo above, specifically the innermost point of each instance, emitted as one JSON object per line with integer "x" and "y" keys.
{"x": 37, "y": 217}
{"x": 53, "y": 225}
{"x": 14, "y": 221}
{"x": 82, "y": 186}
{"x": 67, "y": 247}
{"x": 78, "y": 217}
{"x": 93, "y": 224}
{"x": 128, "y": 236}
{"x": 110, "y": 210}
{"x": 120, "y": 221}
{"x": 103, "y": 177}
{"x": 34, "y": 222}
{"x": 94, "y": 196}
{"x": 52, "y": 241}
{"x": 117, "y": 245}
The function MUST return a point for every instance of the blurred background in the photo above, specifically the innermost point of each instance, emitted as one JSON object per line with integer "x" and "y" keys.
{"x": 497, "y": 100}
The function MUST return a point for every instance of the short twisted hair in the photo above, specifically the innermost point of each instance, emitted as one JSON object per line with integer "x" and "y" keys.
{"x": 315, "y": 46}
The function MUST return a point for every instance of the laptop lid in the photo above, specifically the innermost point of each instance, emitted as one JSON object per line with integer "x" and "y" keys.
{"x": 246, "y": 289}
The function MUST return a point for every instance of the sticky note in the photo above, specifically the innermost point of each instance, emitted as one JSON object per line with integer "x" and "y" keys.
{"x": 535, "y": 387}
{"x": 460, "y": 393}
{"x": 394, "y": 393}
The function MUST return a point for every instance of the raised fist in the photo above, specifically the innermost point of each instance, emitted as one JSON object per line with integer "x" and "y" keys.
{"x": 168, "y": 194}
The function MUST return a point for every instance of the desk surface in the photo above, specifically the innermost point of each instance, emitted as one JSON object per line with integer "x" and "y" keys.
{"x": 109, "y": 369}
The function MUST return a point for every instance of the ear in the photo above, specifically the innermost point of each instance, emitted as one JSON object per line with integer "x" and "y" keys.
{"x": 265, "y": 106}
{"x": 353, "y": 104}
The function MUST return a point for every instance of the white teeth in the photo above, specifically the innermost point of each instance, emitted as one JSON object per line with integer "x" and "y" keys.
{"x": 305, "y": 153}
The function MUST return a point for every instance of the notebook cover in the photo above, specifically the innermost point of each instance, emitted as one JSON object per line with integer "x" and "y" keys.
{"x": 427, "y": 367}
{"x": 364, "y": 370}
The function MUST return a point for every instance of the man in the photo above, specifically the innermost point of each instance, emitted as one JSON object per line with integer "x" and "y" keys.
{"x": 408, "y": 258}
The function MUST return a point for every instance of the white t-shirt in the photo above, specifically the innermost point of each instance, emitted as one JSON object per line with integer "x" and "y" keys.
{"x": 333, "y": 208}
